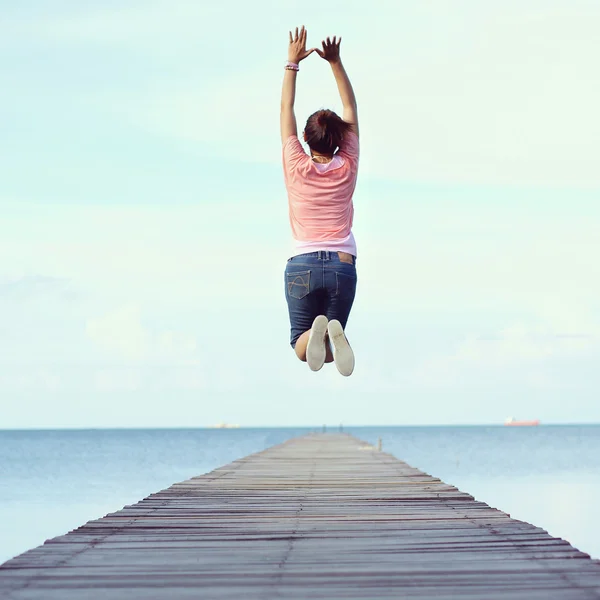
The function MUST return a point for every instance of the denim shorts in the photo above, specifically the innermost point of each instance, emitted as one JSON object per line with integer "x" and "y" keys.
{"x": 318, "y": 283}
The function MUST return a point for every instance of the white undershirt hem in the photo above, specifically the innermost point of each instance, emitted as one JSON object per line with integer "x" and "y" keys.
{"x": 347, "y": 244}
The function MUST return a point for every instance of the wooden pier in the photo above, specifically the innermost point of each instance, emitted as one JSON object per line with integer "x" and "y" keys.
{"x": 321, "y": 516}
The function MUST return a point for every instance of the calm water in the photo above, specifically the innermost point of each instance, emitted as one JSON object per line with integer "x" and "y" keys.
{"x": 54, "y": 481}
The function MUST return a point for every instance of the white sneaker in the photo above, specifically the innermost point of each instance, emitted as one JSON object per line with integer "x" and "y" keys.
{"x": 315, "y": 349}
{"x": 342, "y": 353}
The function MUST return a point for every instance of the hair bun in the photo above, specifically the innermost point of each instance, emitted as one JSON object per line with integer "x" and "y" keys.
{"x": 325, "y": 131}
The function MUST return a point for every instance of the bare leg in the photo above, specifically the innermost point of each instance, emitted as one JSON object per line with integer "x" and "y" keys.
{"x": 301, "y": 344}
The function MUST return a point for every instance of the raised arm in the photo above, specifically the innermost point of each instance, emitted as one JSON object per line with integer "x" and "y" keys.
{"x": 296, "y": 52}
{"x": 331, "y": 53}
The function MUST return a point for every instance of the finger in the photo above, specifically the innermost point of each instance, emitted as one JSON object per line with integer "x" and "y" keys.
{"x": 309, "y": 52}
{"x": 339, "y": 41}
{"x": 334, "y": 40}
{"x": 320, "y": 53}
{"x": 328, "y": 42}
{"x": 291, "y": 38}
{"x": 296, "y": 36}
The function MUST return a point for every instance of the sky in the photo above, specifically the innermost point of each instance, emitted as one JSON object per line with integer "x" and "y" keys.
{"x": 144, "y": 228}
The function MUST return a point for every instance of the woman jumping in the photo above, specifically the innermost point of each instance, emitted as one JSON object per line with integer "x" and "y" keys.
{"x": 320, "y": 276}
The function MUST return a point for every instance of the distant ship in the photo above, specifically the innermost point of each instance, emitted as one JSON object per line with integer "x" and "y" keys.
{"x": 512, "y": 421}
{"x": 224, "y": 426}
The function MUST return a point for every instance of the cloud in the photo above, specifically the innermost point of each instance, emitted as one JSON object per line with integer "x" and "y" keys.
{"x": 131, "y": 24}
{"x": 537, "y": 355}
{"x": 29, "y": 379}
{"x": 41, "y": 324}
{"x": 26, "y": 287}
{"x": 483, "y": 109}
{"x": 519, "y": 343}
{"x": 120, "y": 332}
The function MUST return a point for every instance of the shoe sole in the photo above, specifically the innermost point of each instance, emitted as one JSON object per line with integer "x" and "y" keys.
{"x": 315, "y": 349}
{"x": 342, "y": 352}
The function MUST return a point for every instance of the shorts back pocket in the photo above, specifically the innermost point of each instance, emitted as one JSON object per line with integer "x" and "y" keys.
{"x": 346, "y": 285}
{"x": 298, "y": 284}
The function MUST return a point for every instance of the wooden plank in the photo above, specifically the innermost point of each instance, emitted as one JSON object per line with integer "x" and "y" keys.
{"x": 322, "y": 516}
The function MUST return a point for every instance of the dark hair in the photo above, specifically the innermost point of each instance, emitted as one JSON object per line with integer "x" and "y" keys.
{"x": 325, "y": 131}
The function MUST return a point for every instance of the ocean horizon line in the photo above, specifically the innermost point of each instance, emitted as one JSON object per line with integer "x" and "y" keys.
{"x": 329, "y": 426}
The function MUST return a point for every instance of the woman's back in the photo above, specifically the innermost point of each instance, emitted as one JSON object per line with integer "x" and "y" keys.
{"x": 320, "y": 194}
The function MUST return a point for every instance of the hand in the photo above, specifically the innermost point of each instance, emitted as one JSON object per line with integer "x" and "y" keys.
{"x": 297, "y": 49}
{"x": 331, "y": 50}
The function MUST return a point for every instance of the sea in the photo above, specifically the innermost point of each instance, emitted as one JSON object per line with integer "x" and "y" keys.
{"x": 53, "y": 481}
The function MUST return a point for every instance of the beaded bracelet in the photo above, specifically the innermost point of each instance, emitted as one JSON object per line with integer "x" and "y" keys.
{"x": 290, "y": 66}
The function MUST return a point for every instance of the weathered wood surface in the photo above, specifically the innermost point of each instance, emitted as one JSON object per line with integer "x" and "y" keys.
{"x": 322, "y": 516}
